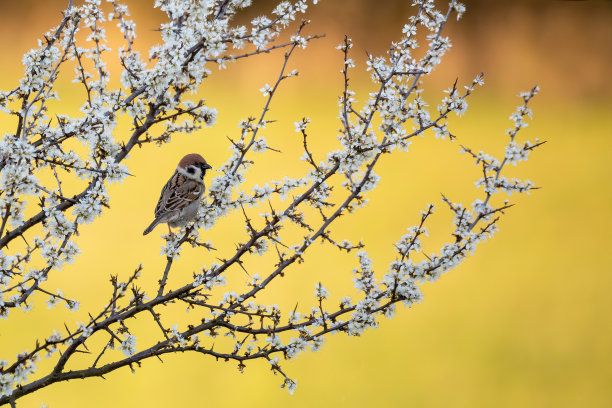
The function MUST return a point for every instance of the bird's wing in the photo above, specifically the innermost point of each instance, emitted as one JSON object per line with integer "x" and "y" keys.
{"x": 178, "y": 193}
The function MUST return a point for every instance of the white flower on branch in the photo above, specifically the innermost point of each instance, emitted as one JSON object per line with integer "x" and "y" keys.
{"x": 86, "y": 330}
{"x": 301, "y": 126}
{"x": 259, "y": 145}
{"x": 290, "y": 385}
{"x": 299, "y": 41}
{"x": 159, "y": 95}
{"x": 295, "y": 347}
{"x": 320, "y": 292}
{"x": 274, "y": 341}
{"x": 266, "y": 90}
{"x": 177, "y": 336}
{"x": 128, "y": 345}
{"x": 54, "y": 300}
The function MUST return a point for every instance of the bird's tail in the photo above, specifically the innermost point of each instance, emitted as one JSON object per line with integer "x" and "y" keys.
{"x": 151, "y": 227}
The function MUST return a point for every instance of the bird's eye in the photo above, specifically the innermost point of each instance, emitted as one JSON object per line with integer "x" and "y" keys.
{"x": 190, "y": 170}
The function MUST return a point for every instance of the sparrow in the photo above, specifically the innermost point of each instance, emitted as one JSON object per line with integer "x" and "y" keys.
{"x": 180, "y": 198}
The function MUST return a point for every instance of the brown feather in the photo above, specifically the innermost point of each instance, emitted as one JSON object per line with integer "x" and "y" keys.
{"x": 174, "y": 198}
{"x": 191, "y": 158}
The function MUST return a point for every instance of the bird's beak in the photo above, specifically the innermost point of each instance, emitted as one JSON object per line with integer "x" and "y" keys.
{"x": 207, "y": 166}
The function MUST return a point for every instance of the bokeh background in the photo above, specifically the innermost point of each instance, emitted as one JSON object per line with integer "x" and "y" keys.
{"x": 527, "y": 321}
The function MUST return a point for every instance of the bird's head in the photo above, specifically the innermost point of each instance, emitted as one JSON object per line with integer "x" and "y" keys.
{"x": 193, "y": 166}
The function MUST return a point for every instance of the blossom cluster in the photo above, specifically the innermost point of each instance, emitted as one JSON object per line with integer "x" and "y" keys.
{"x": 158, "y": 94}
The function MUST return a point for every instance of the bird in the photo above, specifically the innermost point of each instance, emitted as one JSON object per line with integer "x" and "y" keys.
{"x": 180, "y": 198}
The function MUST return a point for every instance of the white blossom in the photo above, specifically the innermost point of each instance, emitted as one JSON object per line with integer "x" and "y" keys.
{"x": 128, "y": 345}
{"x": 158, "y": 94}
{"x": 320, "y": 292}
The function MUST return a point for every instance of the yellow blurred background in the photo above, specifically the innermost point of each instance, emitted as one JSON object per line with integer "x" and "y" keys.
{"x": 527, "y": 321}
